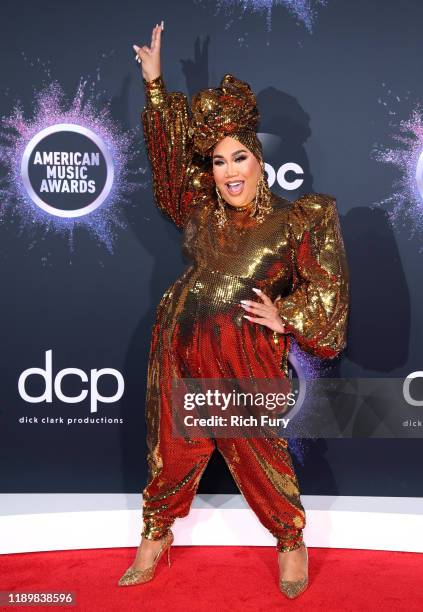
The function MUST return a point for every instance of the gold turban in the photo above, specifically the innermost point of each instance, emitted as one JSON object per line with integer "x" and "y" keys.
{"x": 227, "y": 110}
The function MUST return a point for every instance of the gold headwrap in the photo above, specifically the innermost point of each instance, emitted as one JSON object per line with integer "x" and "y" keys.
{"x": 229, "y": 110}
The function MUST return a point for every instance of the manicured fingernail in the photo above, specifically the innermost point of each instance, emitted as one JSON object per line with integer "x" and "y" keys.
{"x": 244, "y": 301}
{"x": 246, "y": 316}
{"x": 258, "y": 290}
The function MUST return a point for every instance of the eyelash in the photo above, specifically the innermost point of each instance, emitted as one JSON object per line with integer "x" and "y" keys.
{"x": 242, "y": 157}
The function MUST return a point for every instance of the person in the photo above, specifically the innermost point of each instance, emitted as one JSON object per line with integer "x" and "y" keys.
{"x": 244, "y": 243}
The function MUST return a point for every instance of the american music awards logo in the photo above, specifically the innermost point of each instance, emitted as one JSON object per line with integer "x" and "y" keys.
{"x": 69, "y": 165}
{"x": 67, "y": 170}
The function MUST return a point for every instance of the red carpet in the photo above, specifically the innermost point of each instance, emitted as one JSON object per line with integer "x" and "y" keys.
{"x": 220, "y": 579}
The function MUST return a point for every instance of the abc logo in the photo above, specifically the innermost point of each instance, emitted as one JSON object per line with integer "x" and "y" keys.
{"x": 290, "y": 175}
{"x": 281, "y": 176}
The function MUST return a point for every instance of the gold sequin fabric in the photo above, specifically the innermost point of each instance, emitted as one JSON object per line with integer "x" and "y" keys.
{"x": 229, "y": 109}
{"x": 296, "y": 253}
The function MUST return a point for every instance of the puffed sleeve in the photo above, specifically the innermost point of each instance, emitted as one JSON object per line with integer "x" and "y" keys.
{"x": 316, "y": 311}
{"x": 176, "y": 182}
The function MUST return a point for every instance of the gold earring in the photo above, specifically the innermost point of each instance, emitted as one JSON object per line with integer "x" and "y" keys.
{"x": 254, "y": 204}
{"x": 263, "y": 197}
{"x": 220, "y": 212}
{"x": 257, "y": 196}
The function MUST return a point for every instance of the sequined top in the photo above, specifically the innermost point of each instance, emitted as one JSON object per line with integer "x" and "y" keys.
{"x": 297, "y": 253}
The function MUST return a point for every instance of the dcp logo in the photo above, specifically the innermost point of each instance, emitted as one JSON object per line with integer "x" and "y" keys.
{"x": 47, "y": 374}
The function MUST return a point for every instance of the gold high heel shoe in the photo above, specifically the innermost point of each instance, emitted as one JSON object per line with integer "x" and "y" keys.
{"x": 293, "y": 588}
{"x": 133, "y": 576}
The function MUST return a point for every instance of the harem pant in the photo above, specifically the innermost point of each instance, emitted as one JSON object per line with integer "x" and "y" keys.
{"x": 261, "y": 467}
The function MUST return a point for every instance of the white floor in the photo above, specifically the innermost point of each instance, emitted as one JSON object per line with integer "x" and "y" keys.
{"x": 41, "y": 522}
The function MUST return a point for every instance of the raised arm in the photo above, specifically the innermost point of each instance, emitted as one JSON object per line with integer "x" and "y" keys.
{"x": 316, "y": 312}
{"x": 166, "y": 122}
{"x": 179, "y": 181}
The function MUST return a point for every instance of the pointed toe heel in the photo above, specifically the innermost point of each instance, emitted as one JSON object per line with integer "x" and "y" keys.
{"x": 132, "y": 576}
{"x": 293, "y": 588}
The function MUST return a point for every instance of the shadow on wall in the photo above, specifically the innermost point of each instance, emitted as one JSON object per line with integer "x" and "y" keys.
{"x": 380, "y": 315}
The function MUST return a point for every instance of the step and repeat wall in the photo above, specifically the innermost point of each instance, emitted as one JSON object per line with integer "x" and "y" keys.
{"x": 85, "y": 255}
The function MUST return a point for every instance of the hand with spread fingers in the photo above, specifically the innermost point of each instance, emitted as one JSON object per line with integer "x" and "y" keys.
{"x": 149, "y": 56}
{"x": 267, "y": 312}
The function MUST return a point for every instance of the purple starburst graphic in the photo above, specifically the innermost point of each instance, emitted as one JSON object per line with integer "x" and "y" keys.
{"x": 405, "y": 204}
{"x": 309, "y": 365}
{"x": 304, "y": 11}
{"x": 308, "y": 368}
{"x": 86, "y": 111}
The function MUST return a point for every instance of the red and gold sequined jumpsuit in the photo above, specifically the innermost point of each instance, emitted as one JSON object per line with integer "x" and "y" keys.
{"x": 200, "y": 330}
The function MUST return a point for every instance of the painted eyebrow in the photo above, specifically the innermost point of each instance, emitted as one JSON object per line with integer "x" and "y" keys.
{"x": 234, "y": 153}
